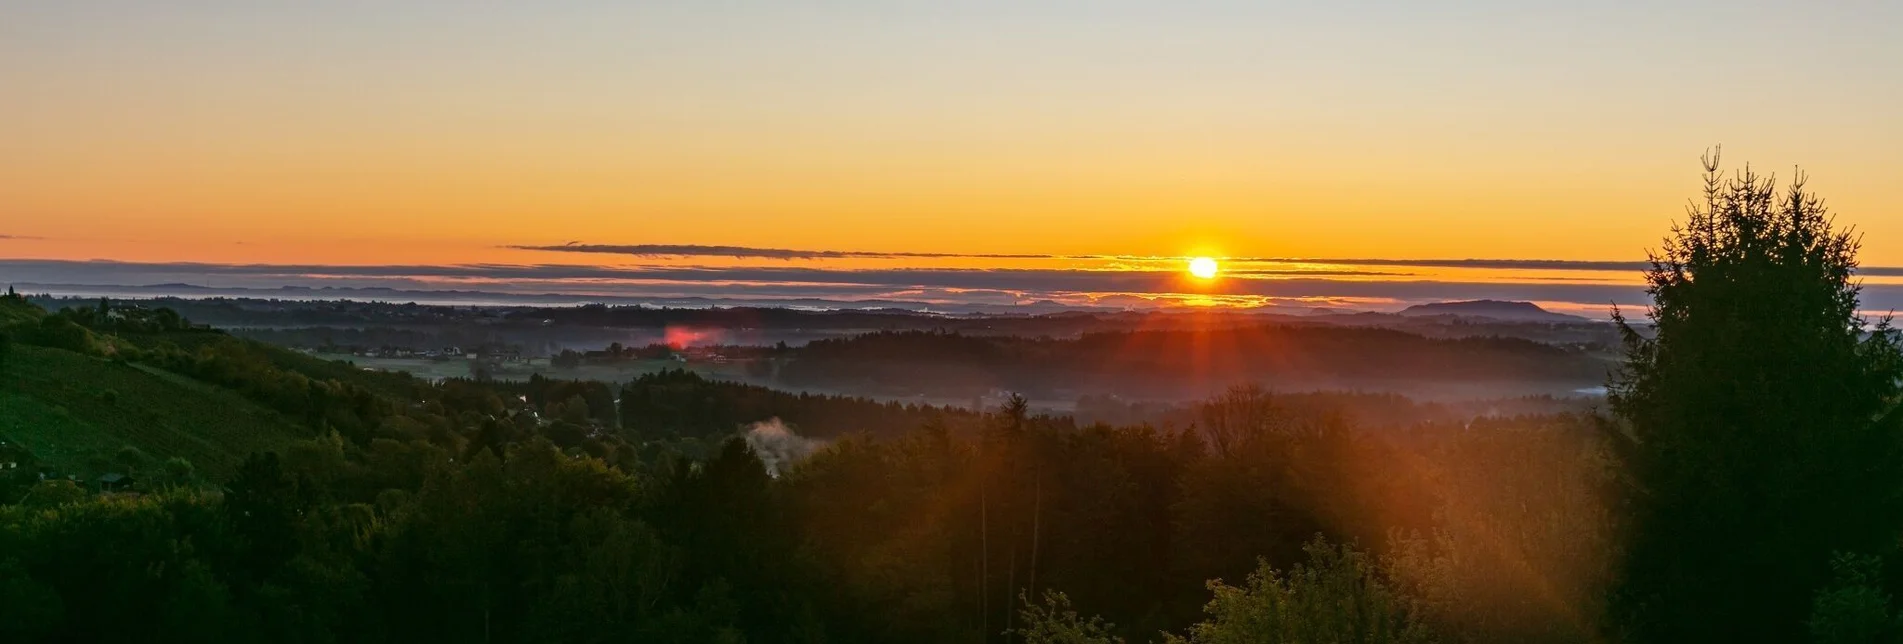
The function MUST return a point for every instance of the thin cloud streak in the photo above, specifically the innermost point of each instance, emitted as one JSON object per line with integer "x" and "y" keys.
{"x": 1505, "y": 264}
{"x": 1515, "y": 264}
{"x": 751, "y": 252}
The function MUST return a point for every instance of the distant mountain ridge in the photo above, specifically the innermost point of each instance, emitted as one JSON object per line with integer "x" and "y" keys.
{"x": 1494, "y": 309}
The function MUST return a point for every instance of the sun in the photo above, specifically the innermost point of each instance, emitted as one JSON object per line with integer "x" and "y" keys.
{"x": 1203, "y": 267}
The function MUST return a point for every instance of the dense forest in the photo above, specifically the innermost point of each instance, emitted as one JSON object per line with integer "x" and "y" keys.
{"x": 1744, "y": 482}
{"x": 1175, "y": 362}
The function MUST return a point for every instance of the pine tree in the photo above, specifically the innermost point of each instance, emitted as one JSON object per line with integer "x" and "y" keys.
{"x": 1756, "y": 425}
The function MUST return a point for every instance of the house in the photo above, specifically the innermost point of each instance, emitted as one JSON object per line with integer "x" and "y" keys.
{"x": 11, "y": 456}
{"x": 115, "y": 482}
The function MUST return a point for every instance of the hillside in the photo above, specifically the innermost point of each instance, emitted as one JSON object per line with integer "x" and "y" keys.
{"x": 1493, "y": 309}
{"x": 386, "y": 383}
{"x": 14, "y": 310}
{"x": 80, "y": 385}
{"x": 74, "y": 412}
{"x": 1190, "y": 364}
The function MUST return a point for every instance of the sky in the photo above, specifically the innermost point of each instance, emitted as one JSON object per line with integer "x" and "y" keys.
{"x": 1085, "y": 134}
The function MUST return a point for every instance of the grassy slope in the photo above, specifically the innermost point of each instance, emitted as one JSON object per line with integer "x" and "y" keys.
{"x": 393, "y": 385}
{"x": 18, "y": 312}
{"x": 56, "y": 403}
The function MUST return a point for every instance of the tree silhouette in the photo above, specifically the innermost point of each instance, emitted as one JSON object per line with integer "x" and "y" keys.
{"x": 1753, "y": 424}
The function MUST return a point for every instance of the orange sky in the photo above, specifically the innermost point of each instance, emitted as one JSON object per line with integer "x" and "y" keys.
{"x": 432, "y": 134}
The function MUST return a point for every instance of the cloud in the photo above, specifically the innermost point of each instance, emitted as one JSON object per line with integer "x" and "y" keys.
{"x": 1621, "y": 266}
{"x": 20, "y": 237}
{"x": 1511, "y": 264}
{"x": 940, "y": 289}
{"x": 996, "y": 278}
{"x": 749, "y": 252}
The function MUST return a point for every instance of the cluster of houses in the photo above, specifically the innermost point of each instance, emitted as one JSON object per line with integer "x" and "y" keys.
{"x": 495, "y": 353}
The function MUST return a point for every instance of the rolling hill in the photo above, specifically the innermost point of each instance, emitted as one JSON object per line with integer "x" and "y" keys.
{"x": 74, "y": 401}
{"x": 1491, "y": 309}
{"x": 72, "y": 411}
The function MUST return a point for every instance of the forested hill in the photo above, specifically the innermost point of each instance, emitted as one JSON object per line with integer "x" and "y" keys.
{"x": 93, "y": 391}
{"x": 1195, "y": 362}
{"x": 256, "y": 494}
{"x": 96, "y": 390}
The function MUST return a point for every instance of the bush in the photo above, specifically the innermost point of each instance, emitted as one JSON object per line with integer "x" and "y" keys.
{"x": 59, "y": 332}
{"x": 53, "y": 493}
{"x": 179, "y": 471}
{"x": 1338, "y": 596}
{"x": 131, "y": 458}
{"x": 1853, "y": 609}
{"x": 1054, "y": 622}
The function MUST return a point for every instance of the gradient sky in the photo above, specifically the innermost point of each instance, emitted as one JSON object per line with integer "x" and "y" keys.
{"x": 434, "y": 132}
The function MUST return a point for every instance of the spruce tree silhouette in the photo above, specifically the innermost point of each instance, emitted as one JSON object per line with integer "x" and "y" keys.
{"x": 1758, "y": 426}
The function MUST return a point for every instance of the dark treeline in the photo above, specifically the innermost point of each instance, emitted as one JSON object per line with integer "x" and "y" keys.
{"x": 251, "y": 312}
{"x": 1175, "y": 361}
{"x": 679, "y": 403}
{"x": 742, "y": 317}
{"x": 928, "y": 536}
{"x": 347, "y": 339}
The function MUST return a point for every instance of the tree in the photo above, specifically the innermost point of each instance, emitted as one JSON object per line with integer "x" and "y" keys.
{"x": 1853, "y": 609}
{"x": 1055, "y": 622}
{"x": 53, "y": 493}
{"x": 1238, "y": 415}
{"x": 179, "y": 471}
{"x": 132, "y": 459}
{"x": 1338, "y": 596}
{"x": 33, "y": 609}
{"x": 60, "y": 332}
{"x": 264, "y": 504}
{"x": 1757, "y": 425}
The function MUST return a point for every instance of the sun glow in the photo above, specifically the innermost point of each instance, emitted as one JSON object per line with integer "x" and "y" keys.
{"x": 1203, "y": 267}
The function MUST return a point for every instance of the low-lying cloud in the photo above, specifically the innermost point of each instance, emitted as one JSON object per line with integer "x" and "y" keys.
{"x": 934, "y": 289}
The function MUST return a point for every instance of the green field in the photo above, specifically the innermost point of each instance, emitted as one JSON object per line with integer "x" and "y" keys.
{"x": 73, "y": 411}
